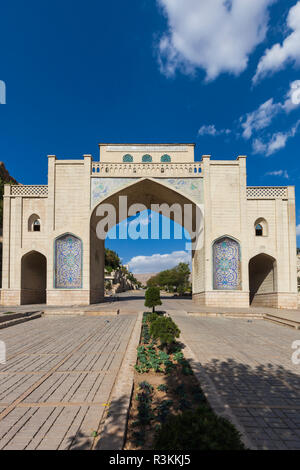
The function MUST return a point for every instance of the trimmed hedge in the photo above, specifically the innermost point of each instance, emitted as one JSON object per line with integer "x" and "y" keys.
{"x": 197, "y": 430}
{"x": 164, "y": 329}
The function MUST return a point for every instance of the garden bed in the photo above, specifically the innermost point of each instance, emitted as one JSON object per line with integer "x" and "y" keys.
{"x": 168, "y": 408}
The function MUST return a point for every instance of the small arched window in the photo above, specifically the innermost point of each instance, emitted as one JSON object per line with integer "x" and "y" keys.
{"x": 127, "y": 158}
{"x": 261, "y": 227}
{"x": 165, "y": 158}
{"x": 37, "y": 226}
{"x": 258, "y": 230}
{"x": 34, "y": 223}
{"x": 146, "y": 159}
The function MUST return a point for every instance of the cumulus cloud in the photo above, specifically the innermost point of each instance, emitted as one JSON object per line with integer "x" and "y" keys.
{"x": 158, "y": 262}
{"x": 216, "y": 35}
{"x": 280, "y": 55}
{"x": 298, "y": 230}
{"x": 260, "y": 118}
{"x": 276, "y": 142}
{"x": 266, "y": 112}
{"x": 282, "y": 173}
{"x": 212, "y": 131}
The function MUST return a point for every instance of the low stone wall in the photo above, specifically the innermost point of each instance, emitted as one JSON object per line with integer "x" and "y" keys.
{"x": 10, "y": 297}
{"x": 222, "y": 299}
{"x": 68, "y": 297}
{"x": 276, "y": 300}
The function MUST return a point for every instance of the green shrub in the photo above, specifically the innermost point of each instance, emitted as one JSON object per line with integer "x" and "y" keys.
{"x": 197, "y": 430}
{"x": 152, "y": 317}
{"x": 165, "y": 330}
{"x": 152, "y": 297}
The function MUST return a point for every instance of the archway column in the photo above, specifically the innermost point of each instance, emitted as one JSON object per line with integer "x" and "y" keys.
{"x": 217, "y": 190}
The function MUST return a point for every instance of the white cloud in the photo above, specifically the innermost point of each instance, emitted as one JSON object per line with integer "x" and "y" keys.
{"x": 260, "y": 118}
{"x": 298, "y": 230}
{"x": 282, "y": 173}
{"x": 266, "y": 112}
{"x": 278, "y": 56}
{"x": 158, "y": 262}
{"x": 212, "y": 130}
{"x": 275, "y": 143}
{"x": 144, "y": 218}
{"x": 216, "y": 35}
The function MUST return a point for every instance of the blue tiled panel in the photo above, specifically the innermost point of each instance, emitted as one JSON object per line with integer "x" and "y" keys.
{"x": 68, "y": 262}
{"x": 227, "y": 264}
{"x": 128, "y": 158}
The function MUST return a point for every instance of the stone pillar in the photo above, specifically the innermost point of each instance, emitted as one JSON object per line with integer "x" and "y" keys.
{"x": 6, "y": 238}
{"x": 50, "y": 222}
{"x": 243, "y": 224}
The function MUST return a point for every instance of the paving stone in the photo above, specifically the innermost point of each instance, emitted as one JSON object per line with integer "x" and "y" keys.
{"x": 76, "y": 360}
{"x": 250, "y": 367}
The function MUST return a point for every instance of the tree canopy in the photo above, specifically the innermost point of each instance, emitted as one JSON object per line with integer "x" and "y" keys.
{"x": 112, "y": 260}
{"x": 177, "y": 277}
{"x": 152, "y": 297}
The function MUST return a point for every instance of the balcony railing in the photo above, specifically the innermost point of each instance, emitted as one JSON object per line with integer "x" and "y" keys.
{"x": 20, "y": 190}
{"x": 146, "y": 169}
{"x": 267, "y": 192}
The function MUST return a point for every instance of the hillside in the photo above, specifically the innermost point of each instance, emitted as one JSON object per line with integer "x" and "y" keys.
{"x": 5, "y": 178}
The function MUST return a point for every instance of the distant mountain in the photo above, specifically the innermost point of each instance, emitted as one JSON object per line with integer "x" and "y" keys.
{"x": 143, "y": 278}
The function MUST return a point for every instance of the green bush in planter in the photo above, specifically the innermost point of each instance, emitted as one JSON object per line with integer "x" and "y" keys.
{"x": 152, "y": 298}
{"x": 197, "y": 430}
{"x": 165, "y": 330}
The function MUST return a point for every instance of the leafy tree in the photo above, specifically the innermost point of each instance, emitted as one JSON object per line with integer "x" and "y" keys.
{"x": 153, "y": 281}
{"x": 152, "y": 298}
{"x": 177, "y": 277}
{"x": 112, "y": 260}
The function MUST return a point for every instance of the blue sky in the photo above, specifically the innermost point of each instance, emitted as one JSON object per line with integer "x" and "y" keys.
{"x": 216, "y": 73}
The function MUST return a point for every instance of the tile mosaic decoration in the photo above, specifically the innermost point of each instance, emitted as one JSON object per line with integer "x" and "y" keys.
{"x": 104, "y": 187}
{"x": 192, "y": 187}
{"x": 226, "y": 264}
{"x": 68, "y": 262}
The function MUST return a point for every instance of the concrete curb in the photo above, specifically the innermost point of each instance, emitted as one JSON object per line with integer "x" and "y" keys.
{"x": 113, "y": 433}
{"x": 22, "y": 319}
{"x": 210, "y": 392}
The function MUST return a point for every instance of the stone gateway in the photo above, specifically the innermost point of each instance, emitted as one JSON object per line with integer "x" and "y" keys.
{"x": 246, "y": 238}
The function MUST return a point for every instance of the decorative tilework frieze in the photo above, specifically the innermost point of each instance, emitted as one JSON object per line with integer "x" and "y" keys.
{"x": 189, "y": 186}
{"x": 226, "y": 264}
{"x": 68, "y": 262}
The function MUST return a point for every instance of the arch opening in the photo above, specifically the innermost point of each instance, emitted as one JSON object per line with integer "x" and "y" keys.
{"x": 33, "y": 278}
{"x": 262, "y": 280}
{"x": 146, "y": 193}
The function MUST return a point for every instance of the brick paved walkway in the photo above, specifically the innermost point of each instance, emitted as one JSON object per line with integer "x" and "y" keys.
{"x": 58, "y": 378}
{"x": 249, "y": 363}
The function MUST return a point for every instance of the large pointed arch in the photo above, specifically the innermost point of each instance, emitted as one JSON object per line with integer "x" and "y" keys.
{"x": 146, "y": 192}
